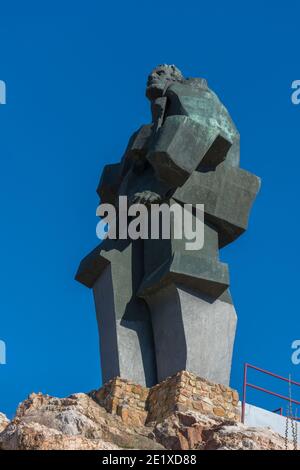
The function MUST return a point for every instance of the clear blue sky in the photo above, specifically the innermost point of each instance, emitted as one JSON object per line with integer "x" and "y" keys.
{"x": 75, "y": 77}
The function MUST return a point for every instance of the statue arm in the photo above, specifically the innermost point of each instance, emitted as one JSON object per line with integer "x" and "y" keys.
{"x": 185, "y": 143}
{"x": 115, "y": 176}
{"x": 138, "y": 180}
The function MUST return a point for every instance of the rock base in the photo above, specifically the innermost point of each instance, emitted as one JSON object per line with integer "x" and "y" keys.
{"x": 183, "y": 412}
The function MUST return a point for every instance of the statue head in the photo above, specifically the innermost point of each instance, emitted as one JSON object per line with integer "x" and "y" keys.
{"x": 159, "y": 77}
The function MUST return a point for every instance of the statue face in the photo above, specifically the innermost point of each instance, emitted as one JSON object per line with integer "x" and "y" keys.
{"x": 158, "y": 79}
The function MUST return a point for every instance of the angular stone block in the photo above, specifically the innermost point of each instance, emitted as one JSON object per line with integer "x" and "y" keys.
{"x": 227, "y": 194}
{"x": 180, "y": 146}
{"x": 91, "y": 267}
{"x": 114, "y": 270}
{"x": 167, "y": 261}
{"x": 109, "y": 183}
{"x": 139, "y": 143}
{"x": 206, "y": 275}
{"x": 194, "y": 99}
{"x": 192, "y": 332}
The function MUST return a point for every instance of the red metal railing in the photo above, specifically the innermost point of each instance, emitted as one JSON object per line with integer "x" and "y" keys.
{"x": 261, "y": 389}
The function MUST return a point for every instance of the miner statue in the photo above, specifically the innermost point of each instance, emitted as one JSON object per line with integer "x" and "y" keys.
{"x": 162, "y": 308}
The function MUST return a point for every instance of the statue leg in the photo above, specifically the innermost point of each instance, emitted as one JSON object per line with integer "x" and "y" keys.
{"x": 193, "y": 332}
{"x": 192, "y": 315}
{"x": 125, "y": 330}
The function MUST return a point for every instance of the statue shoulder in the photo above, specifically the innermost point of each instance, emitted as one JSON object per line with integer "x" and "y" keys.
{"x": 188, "y": 87}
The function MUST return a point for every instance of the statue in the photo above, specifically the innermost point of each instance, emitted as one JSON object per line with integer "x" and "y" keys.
{"x": 161, "y": 308}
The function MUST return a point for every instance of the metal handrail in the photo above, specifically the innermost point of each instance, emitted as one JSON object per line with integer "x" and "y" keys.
{"x": 261, "y": 389}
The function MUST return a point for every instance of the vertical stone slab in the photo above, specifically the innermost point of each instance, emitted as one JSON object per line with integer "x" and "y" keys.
{"x": 192, "y": 332}
{"x": 125, "y": 330}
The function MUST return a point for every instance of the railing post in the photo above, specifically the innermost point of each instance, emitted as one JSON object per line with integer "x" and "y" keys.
{"x": 244, "y": 393}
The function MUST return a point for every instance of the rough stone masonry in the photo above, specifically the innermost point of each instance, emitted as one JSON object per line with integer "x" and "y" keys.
{"x": 138, "y": 406}
{"x": 161, "y": 308}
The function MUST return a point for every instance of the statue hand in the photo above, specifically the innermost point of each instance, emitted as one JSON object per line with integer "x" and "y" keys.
{"x": 145, "y": 197}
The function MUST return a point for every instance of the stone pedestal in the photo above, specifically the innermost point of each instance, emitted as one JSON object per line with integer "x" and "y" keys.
{"x": 183, "y": 392}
